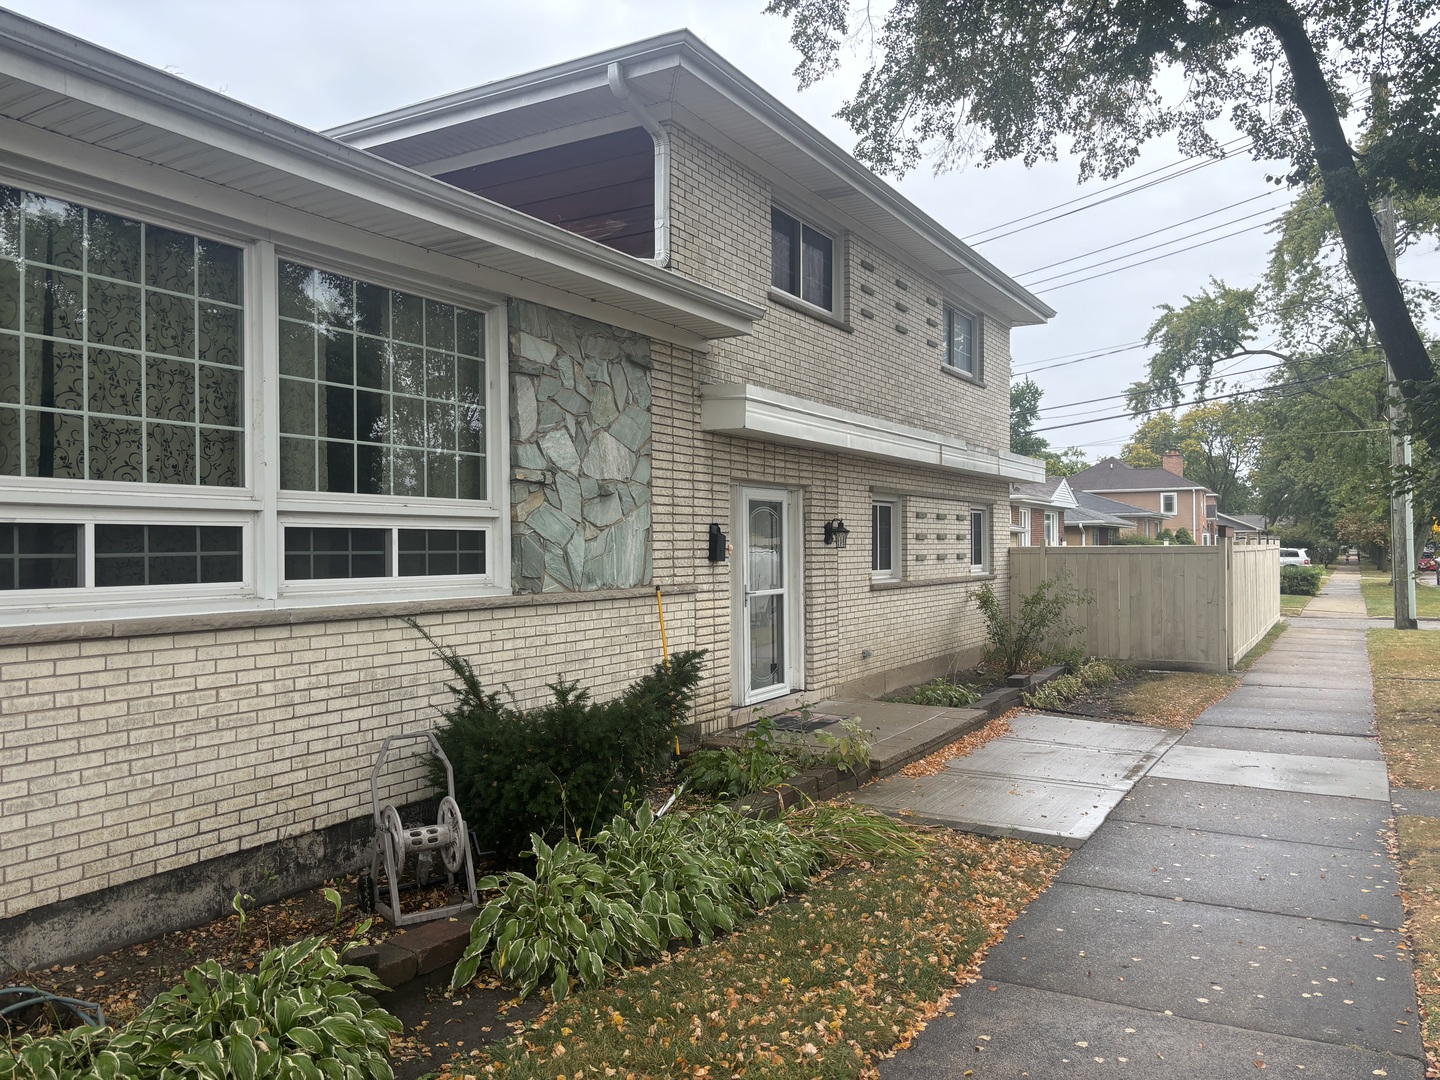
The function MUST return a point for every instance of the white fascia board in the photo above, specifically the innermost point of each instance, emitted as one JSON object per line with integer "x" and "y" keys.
{"x": 753, "y": 412}
{"x": 63, "y": 64}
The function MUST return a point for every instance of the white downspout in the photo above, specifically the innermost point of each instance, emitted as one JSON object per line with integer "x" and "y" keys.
{"x": 615, "y": 75}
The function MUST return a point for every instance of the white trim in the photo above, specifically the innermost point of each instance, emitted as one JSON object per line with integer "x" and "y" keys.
{"x": 748, "y": 411}
{"x": 897, "y": 561}
{"x": 1052, "y": 528}
{"x": 794, "y": 577}
{"x": 987, "y": 541}
{"x": 1174, "y": 498}
{"x": 839, "y": 259}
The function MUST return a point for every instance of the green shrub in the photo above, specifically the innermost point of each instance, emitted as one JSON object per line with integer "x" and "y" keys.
{"x": 1044, "y": 623}
{"x": 621, "y": 897}
{"x": 566, "y": 766}
{"x": 1325, "y": 552}
{"x": 1182, "y": 536}
{"x": 1164, "y": 535}
{"x": 765, "y": 758}
{"x": 1098, "y": 673}
{"x": 1131, "y": 538}
{"x": 1300, "y": 580}
{"x": 944, "y": 694}
{"x": 1071, "y": 656}
{"x": 731, "y": 772}
{"x": 301, "y": 1013}
{"x": 1055, "y": 694}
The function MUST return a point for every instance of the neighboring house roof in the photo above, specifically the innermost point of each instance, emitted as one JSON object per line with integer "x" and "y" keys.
{"x": 1089, "y": 517}
{"x": 1123, "y": 511}
{"x": 228, "y": 156}
{"x": 1053, "y": 492}
{"x": 1244, "y": 522}
{"x": 1112, "y": 474}
{"x": 676, "y": 76}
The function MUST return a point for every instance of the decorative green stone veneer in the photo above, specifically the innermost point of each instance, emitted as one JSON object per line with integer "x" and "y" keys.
{"x": 579, "y": 452}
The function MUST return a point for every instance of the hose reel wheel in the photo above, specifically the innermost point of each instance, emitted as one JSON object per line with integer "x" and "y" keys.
{"x": 453, "y": 825}
{"x": 393, "y": 831}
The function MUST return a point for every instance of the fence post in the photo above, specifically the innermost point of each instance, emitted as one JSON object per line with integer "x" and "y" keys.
{"x": 1228, "y": 578}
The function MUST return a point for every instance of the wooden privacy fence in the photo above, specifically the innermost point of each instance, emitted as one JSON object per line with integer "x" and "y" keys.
{"x": 1189, "y": 608}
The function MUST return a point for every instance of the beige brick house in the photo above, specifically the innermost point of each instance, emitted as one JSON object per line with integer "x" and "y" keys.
{"x": 1181, "y": 503}
{"x": 503, "y": 362}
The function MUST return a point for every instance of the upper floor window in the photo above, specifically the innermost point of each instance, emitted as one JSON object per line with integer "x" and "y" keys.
{"x": 960, "y": 341}
{"x": 885, "y": 539}
{"x": 802, "y": 260}
{"x": 1169, "y": 504}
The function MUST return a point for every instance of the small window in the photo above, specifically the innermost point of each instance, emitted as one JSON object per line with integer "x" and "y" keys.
{"x": 1023, "y": 527}
{"x": 1169, "y": 505}
{"x": 166, "y": 554}
{"x": 884, "y": 540}
{"x": 39, "y": 556}
{"x": 1052, "y": 528}
{"x": 313, "y": 553}
{"x": 977, "y": 541}
{"x": 960, "y": 342}
{"x": 802, "y": 260}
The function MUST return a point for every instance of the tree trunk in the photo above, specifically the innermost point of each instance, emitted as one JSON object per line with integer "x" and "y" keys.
{"x": 1345, "y": 192}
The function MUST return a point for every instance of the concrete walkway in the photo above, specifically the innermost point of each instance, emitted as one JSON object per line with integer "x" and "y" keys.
{"x": 1237, "y": 911}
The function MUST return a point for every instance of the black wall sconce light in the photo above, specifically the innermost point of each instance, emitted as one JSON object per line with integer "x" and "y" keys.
{"x": 836, "y": 533}
{"x": 719, "y": 545}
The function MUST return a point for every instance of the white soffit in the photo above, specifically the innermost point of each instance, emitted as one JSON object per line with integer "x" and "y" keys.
{"x": 753, "y": 412}
{"x": 57, "y": 87}
{"x": 679, "y": 71}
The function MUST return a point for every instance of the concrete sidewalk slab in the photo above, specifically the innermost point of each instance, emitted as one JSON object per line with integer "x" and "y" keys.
{"x": 1219, "y": 964}
{"x": 1277, "y": 815}
{"x": 1027, "y": 760}
{"x": 1413, "y": 801}
{"x": 1330, "y": 699}
{"x": 1351, "y": 722}
{"x": 1281, "y": 772}
{"x": 1286, "y": 742}
{"x": 1278, "y": 876}
{"x": 1048, "y": 727}
{"x": 1041, "y": 1034}
{"x": 1335, "y": 679}
{"x": 1046, "y": 812}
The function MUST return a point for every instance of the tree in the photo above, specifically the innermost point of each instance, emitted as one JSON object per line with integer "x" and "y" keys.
{"x": 1025, "y": 398}
{"x": 1220, "y": 443}
{"x": 1024, "y": 411}
{"x": 995, "y": 80}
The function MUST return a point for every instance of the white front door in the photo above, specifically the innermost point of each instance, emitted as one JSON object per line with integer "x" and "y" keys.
{"x": 767, "y": 614}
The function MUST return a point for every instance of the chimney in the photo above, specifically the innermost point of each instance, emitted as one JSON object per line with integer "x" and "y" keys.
{"x": 1174, "y": 461}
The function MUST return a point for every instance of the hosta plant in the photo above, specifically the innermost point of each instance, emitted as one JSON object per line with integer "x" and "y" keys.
{"x": 303, "y": 1014}
{"x": 622, "y": 896}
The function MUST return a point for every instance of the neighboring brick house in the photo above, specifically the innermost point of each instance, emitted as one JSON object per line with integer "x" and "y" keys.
{"x": 1039, "y": 512}
{"x": 263, "y": 393}
{"x": 1182, "y": 503}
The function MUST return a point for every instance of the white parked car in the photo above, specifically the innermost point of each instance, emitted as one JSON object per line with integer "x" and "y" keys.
{"x": 1294, "y": 557}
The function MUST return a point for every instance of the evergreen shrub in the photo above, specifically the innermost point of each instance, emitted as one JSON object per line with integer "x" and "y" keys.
{"x": 565, "y": 767}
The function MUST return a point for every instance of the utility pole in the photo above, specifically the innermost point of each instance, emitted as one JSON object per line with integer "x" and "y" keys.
{"x": 1402, "y": 510}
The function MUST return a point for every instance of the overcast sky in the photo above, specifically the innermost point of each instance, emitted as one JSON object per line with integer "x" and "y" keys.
{"x": 323, "y": 62}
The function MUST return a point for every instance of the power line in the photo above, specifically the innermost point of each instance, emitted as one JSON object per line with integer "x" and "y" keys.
{"x": 1157, "y": 258}
{"x": 975, "y": 237}
{"x": 1280, "y": 391}
{"x": 1152, "y": 232}
{"x": 1163, "y": 243}
{"x": 1080, "y": 359}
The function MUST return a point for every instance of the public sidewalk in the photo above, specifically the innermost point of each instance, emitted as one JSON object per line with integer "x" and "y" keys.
{"x": 1237, "y": 911}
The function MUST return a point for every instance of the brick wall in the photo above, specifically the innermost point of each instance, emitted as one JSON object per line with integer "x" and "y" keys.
{"x": 721, "y": 236}
{"x": 123, "y": 758}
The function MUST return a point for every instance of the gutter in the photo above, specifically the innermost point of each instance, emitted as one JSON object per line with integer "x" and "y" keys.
{"x": 615, "y": 76}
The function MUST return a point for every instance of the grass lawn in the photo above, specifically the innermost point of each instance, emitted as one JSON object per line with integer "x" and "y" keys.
{"x": 1380, "y": 597}
{"x": 1293, "y": 605}
{"x": 1263, "y": 645}
{"x": 822, "y": 985}
{"x": 1407, "y": 712}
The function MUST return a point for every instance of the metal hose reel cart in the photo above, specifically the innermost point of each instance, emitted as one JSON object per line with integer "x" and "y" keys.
{"x": 448, "y": 839}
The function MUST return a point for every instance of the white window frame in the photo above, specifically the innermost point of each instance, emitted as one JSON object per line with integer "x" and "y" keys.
{"x": 837, "y": 263}
{"x": 893, "y": 572}
{"x": 1023, "y": 528}
{"x": 1052, "y": 528}
{"x": 259, "y": 507}
{"x": 980, "y": 534}
{"x": 976, "y": 370}
{"x": 1169, "y": 503}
